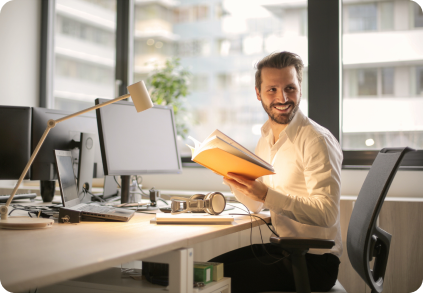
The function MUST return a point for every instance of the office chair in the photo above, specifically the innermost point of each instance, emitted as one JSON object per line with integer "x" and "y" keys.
{"x": 365, "y": 240}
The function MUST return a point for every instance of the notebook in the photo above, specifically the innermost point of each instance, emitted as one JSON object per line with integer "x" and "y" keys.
{"x": 71, "y": 201}
{"x": 192, "y": 218}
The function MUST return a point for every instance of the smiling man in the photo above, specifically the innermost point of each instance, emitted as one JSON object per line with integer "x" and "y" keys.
{"x": 303, "y": 196}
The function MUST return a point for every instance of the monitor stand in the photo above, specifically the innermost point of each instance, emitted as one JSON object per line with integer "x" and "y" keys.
{"x": 125, "y": 191}
{"x": 86, "y": 164}
{"x": 124, "y": 188}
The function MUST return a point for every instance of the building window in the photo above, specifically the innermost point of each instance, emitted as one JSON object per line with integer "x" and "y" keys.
{"x": 386, "y": 19}
{"x": 235, "y": 80}
{"x": 200, "y": 82}
{"x": 418, "y": 15}
{"x": 362, "y": 17}
{"x": 227, "y": 47}
{"x": 367, "y": 82}
{"x": 370, "y": 82}
{"x": 388, "y": 75}
{"x": 191, "y": 13}
{"x": 192, "y": 48}
{"x": 419, "y": 81}
{"x": 85, "y": 52}
{"x": 376, "y": 16}
{"x": 83, "y": 31}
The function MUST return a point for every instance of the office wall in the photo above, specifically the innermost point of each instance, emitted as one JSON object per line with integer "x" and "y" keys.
{"x": 19, "y": 52}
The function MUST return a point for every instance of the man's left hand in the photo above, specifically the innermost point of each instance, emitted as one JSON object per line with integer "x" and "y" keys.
{"x": 254, "y": 189}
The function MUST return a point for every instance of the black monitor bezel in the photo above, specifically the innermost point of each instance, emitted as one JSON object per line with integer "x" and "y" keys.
{"x": 42, "y": 168}
{"x": 15, "y": 148}
{"x": 137, "y": 172}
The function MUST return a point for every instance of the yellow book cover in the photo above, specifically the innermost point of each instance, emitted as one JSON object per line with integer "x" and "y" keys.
{"x": 222, "y": 155}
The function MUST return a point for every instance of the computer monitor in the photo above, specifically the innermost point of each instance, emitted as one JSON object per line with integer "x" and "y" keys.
{"x": 134, "y": 143}
{"x": 60, "y": 138}
{"x": 15, "y": 145}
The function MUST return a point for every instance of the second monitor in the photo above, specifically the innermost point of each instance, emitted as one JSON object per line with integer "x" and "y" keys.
{"x": 134, "y": 143}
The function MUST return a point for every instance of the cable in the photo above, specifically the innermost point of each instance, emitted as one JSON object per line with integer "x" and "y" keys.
{"x": 163, "y": 201}
{"x": 138, "y": 185}
{"x": 96, "y": 196}
{"x": 83, "y": 191}
{"x": 114, "y": 177}
{"x": 251, "y": 238}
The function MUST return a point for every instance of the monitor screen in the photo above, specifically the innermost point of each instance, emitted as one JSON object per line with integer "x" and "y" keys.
{"x": 137, "y": 143}
{"x": 59, "y": 138}
{"x": 15, "y": 141}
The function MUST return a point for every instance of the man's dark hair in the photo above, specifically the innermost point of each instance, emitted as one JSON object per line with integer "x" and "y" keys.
{"x": 279, "y": 60}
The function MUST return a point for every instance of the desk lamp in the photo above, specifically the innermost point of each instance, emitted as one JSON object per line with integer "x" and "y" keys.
{"x": 141, "y": 100}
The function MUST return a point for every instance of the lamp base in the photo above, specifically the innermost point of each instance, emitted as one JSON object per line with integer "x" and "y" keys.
{"x": 25, "y": 223}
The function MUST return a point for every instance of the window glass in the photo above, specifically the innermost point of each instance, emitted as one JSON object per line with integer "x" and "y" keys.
{"x": 219, "y": 44}
{"x": 362, "y": 17}
{"x": 418, "y": 16}
{"x": 386, "y": 15}
{"x": 388, "y": 77}
{"x": 382, "y": 75}
{"x": 419, "y": 81}
{"x": 367, "y": 82}
{"x": 84, "y": 53}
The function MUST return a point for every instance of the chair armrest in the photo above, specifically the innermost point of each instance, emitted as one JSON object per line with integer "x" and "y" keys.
{"x": 302, "y": 243}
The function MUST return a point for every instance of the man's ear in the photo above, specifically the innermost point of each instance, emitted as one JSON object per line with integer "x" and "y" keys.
{"x": 258, "y": 94}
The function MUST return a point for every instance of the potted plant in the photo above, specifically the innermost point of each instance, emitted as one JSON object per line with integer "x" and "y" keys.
{"x": 168, "y": 85}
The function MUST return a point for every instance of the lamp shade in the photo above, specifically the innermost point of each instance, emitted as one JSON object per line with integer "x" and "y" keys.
{"x": 140, "y": 96}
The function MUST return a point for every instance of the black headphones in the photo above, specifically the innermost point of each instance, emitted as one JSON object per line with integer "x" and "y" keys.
{"x": 212, "y": 203}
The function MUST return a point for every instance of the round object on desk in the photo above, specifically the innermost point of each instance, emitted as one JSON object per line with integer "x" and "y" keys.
{"x": 25, "y": 223}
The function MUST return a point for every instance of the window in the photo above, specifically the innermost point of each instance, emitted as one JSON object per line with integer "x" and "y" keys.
{"x": 388, "y": 81}
{"x": 192, "y": 48}
{"x": 200, "y": 83}
{"x": 376, "y": 16}
{"x": 84, "y": 53}
{"x": 381, "y": 91}
{"x": 193, "y": 13}
{"x": 418, "y": 15}
{"x": 419, "y": 81}
{"x": 386, "y": 19}
{"x": 367, "y": 82}
{"x": 362, "y": 17}
{"x": 227, "y": 47}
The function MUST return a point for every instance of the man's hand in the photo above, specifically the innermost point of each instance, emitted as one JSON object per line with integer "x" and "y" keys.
{"x": 256, "y": 190}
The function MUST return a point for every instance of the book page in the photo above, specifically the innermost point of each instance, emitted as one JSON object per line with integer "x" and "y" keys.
{"x": 217, "y": 142}
{"x": 229, "y": 140}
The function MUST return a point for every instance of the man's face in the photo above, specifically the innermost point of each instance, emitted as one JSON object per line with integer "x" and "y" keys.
{"x": 280, "y": 93}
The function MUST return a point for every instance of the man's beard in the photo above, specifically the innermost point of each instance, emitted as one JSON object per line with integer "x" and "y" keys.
{"x": 281, "y": 118}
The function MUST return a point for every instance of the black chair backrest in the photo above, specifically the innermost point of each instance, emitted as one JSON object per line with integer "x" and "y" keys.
{"x": 365, "y": 240}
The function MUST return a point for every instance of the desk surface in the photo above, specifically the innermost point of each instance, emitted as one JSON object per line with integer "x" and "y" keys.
{"x": 37, "y": 258}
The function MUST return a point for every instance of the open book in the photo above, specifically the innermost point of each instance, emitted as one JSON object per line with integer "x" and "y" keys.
{"x": 222, "y": 155}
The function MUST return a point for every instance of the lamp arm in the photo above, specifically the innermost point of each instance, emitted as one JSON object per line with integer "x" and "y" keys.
{"x": 4, "y": 209}
{"x": 50, "y": 124}
{"x": 93, "y": 108}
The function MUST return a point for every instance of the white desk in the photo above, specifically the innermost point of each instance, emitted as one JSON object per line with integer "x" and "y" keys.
{"x": 37, "y": 258}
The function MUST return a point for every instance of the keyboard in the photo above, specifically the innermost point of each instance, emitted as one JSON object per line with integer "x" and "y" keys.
{"x": 4, "y": 198}
{"x": 94, "y": 209}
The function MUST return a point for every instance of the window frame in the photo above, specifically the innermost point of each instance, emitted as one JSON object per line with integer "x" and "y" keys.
{"x": 325, "y": 81}
{"x": 324, "y": 76}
